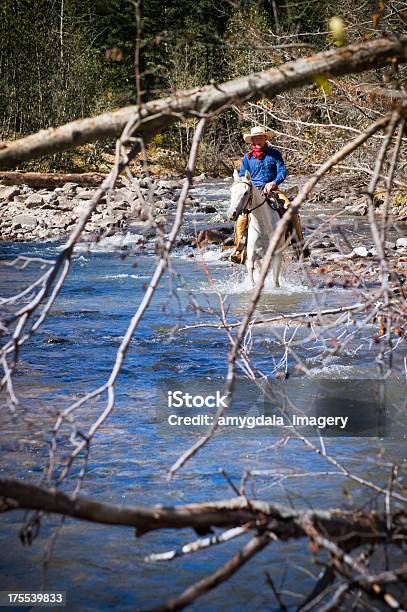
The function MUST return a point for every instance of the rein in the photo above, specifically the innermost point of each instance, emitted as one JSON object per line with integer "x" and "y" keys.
{"x": 248, "y": 210}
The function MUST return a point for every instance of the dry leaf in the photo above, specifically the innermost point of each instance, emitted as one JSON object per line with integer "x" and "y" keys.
{"x": 375, "y": 19}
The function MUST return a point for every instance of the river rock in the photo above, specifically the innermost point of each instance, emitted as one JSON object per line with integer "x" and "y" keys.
{"x": 47, "y": 198}
{"x": 161, "y": 206}
{"x": 61, "y": 225}
{"x": 208, "y": 209}
{"x": 201, "y": 177}
{"x": 401, "y": 243}
{"x": 52, "y": 203}
{"x": 110, "y": 220}
{"x": 69, "y": 188}
{"x": 160, "y": 191}
{"x": 138, "y": 212}
{"x": 24, "y": 221}
{"x": 63, "y": 204}
{"x": 175, "y": 183}
{"x": 122, "y": 194}
{"x": 212, "y": 236}
{"x": 8, "y": 193}
{"x": 84, "y": 194}
{"x": 360, "y": 251}
{"x": 120, "y": 205}
{"x": 34, "y": 200}
{"x": 291, "y": 192}
{"x": 358, "y": 208}
{"x": 20, "y": 198}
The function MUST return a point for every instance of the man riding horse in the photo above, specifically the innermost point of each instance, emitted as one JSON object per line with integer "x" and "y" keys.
{"x": 267, "y": 171}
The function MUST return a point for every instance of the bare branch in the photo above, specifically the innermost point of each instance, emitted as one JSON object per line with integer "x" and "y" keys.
{"x": 286, "y": 522}
{"x": 159, "y": 114}
{"x": 222, "y": 574}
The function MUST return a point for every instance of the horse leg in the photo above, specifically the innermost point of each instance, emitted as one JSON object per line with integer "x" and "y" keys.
{"x": 250, "y": 270}
{"x": 276, "y": 269}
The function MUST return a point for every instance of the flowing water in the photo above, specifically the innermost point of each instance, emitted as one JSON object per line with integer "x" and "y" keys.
{"x": 104, "y": 567}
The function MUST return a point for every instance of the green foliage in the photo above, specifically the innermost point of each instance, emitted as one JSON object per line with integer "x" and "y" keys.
{"x": 64, "y": 59}
{"x": 245, "y": 33}
{"x": 48, "y": 76}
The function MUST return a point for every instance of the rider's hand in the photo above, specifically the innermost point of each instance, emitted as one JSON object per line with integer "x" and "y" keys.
{"x": 270, "y": 187}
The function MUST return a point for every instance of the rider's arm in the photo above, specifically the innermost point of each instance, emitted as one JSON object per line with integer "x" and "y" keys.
{"x": 281, "y": 169}
{"x": 244, "y": 166}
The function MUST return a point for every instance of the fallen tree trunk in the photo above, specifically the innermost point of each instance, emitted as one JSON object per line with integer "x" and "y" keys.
{"x": 45, "y": 180}
{"x": 352, "y": 528}
{"x": 156, "y": 115}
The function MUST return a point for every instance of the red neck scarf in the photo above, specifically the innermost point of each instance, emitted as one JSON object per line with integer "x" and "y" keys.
{"x": 257, "y": 152}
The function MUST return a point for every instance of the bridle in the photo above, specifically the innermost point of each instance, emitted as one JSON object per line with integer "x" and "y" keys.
{"x": 246, "y": 209}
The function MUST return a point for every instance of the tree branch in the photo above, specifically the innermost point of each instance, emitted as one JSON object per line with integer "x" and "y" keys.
{"x": 284, "y": 521}
{"x": 159, "y": 114}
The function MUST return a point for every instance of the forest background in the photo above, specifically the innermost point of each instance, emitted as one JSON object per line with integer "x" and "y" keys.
{"x": 61, "y": 60}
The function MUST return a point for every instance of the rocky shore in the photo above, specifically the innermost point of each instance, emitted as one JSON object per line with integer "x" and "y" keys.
{"x": 28, "y": 214}
{"x": 32, "y": 214}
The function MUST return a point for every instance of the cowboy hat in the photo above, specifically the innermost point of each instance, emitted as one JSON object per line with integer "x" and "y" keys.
{"x": 256, "y": 131}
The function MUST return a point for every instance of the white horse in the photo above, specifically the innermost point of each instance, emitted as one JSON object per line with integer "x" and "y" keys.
{"x": 262, "y": 222}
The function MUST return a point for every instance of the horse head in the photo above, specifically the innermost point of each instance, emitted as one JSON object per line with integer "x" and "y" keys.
{"x": 240, "y": 194}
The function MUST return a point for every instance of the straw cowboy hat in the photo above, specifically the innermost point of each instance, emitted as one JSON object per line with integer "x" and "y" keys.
{"x": 256, "y": 131}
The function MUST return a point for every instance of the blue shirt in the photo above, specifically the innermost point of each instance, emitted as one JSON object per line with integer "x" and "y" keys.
{"x": 269, "y": 169}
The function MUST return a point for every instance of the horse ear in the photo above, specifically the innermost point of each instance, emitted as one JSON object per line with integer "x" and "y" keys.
{"x": 235, "y": 175}
{"x": 247, "y": 175}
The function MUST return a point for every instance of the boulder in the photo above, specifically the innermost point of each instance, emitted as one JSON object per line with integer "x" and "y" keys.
{"x": 208, "y": 209}
{"x": 8, "y": 193}
{"x": 34, "y": 200}
{"x": 63, "y": 204}
{"x": 69, "y": 187}
{"x": 401, "y": 243}
{"x": 358, "y": 208}
{"x": 212, "y": 236}
{"x": 25, "y": 221}
{"x": 360, "y": 251}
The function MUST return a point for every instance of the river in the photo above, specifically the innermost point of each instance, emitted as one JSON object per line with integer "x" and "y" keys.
{"x": 105, "y": 568}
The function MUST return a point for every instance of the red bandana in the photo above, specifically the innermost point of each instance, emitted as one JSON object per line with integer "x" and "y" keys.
{"x": 257, "y": 151}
